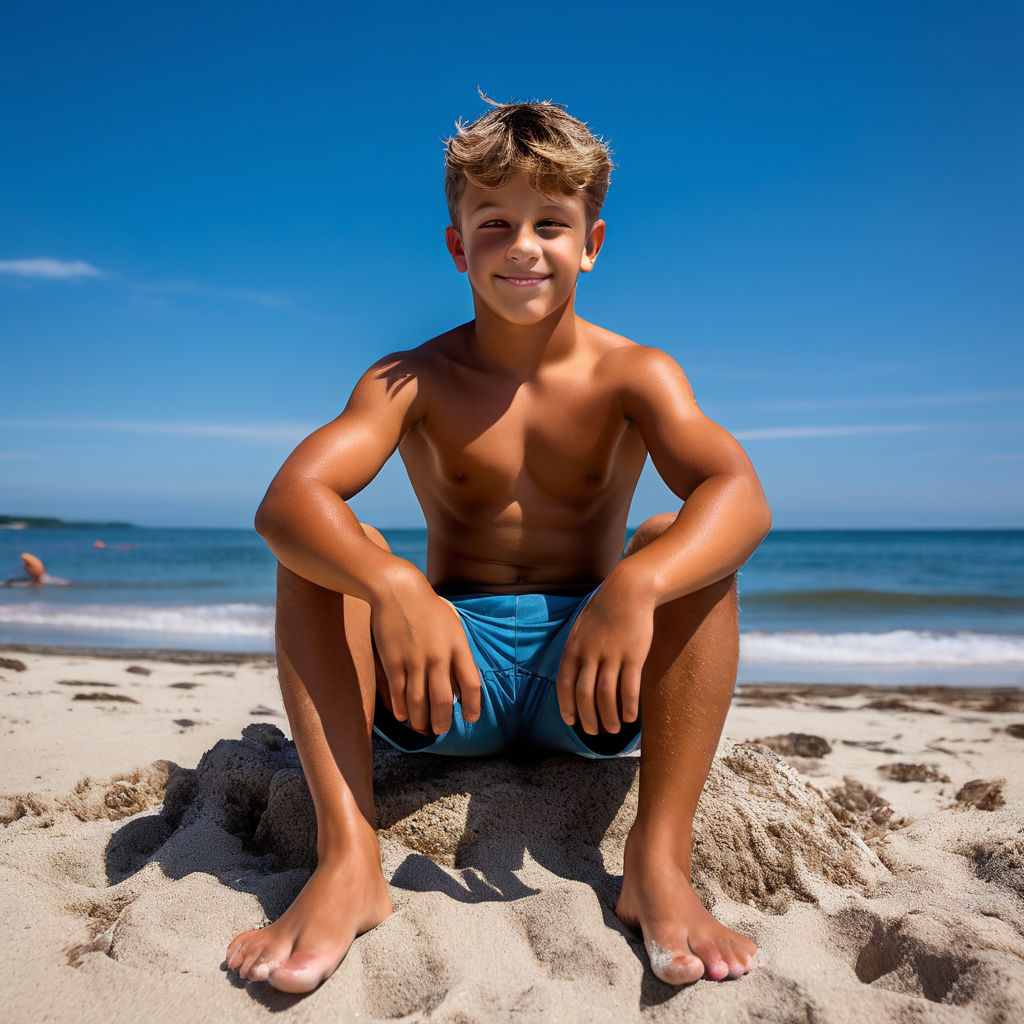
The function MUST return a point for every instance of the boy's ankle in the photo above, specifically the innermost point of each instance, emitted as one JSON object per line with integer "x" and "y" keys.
{"x": 345, "y": 836}
{"x": 659, "y": 843}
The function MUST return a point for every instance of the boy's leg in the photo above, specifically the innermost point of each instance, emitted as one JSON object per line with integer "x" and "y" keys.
{"x": 326, "y": 667}
{"x": 685, "y": 693}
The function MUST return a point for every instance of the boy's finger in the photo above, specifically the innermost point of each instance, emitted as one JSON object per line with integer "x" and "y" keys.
{"x": 469, "y": 685}
{"x": 607, "y": 696}
{"x": 416, "y": 700}
{"x": 586, "y": 684}
{"x": 396, "y": 687}
{"x": 439, "y": 687}
{"x": 565, "y": 688}
{"x": 630, "y": 692}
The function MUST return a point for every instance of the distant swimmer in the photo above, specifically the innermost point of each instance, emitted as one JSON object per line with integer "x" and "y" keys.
{"x": 33, "y": 574}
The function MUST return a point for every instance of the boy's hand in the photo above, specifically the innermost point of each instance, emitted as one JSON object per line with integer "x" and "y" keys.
{"x": 599, "y": 675}
{"x": 425, "y": 655}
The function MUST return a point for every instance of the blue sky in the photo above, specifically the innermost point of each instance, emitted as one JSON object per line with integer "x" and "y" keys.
{"x": 214, "y": 217}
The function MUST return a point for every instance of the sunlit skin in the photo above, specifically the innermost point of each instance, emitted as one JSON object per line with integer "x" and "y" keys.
{"x": 34, "y": 567}
{"x": 523, "y": 432}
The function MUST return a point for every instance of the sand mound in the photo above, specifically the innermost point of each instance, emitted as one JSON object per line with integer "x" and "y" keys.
{"x": 762, "y": 835}
{"x": 797, "y": 744}
{"x": 985, "y": 794}
{"x": 114, "y": 798}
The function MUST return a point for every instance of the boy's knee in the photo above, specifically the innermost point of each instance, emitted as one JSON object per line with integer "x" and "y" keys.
{"x": 648, "y": 530}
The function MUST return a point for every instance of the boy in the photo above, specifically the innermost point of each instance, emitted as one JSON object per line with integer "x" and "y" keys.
{"x": 523, "y": 432}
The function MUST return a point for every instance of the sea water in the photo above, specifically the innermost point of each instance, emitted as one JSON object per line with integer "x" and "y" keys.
{"x": 840, "y": 605}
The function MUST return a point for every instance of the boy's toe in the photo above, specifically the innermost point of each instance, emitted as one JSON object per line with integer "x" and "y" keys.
{"x": 301, "y": 972}
{"x": 717, "y": 969}
{"x": 674, "y": 968}
{"x": 251, "y": 960}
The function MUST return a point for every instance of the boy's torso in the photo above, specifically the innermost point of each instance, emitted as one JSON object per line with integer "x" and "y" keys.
{"x": 525, "y": 484}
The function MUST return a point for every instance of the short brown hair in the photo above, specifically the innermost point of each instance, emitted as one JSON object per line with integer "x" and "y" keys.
{"x": 558, "y": 153}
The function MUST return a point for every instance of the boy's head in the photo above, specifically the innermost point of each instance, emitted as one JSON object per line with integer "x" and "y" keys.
{"x": 558, "y": 154}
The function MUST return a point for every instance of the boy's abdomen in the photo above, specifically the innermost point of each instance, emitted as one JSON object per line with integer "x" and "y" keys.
{"x": 516, "y": 558}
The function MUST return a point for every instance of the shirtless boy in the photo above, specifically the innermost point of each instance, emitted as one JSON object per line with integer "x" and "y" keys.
{"x": 523, "y": 432}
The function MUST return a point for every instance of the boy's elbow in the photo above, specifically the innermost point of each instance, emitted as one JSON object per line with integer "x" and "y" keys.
{"x": 267, "y": 515}
{"x": 261, "y": 522}
{"x": 766, "y": 517}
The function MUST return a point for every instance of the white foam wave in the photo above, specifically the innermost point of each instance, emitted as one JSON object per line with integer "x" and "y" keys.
{"x": 897, "y": 647}
{"x": 901, "y": 647}
{"x": 193, "y": 620}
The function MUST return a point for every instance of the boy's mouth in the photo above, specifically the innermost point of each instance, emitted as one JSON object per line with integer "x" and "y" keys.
{"x": 524, "y": 282}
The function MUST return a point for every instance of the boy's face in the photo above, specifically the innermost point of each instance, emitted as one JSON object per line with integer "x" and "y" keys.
{"x": 523, "y": 251}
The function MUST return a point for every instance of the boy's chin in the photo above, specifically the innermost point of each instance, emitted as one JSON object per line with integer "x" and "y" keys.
{"x": 525, "y": 315}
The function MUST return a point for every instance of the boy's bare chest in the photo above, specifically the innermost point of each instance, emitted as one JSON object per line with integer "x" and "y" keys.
{"x": 558, "y": 443}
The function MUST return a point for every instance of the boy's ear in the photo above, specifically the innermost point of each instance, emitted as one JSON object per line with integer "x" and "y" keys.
{"x": 454, "y": 242}
{"x": 594, "y": 242}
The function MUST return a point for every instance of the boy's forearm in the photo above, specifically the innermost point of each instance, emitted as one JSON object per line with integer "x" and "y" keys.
{"x": 313, "y": 532}
{"x": 718, "y": 528}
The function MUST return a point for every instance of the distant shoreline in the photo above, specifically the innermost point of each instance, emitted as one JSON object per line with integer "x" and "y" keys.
{"x": 9, "y": 522}
{"x": 50, "y": 523}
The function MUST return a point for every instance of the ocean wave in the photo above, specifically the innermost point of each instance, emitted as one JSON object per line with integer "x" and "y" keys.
{"x": 883, "y": 600}
{"x": 897, "y": 647}
{"x": 190, "y": 620}
{"x": 901, "y": 647}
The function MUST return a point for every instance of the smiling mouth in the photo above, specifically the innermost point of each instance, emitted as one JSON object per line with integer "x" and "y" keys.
{"x": 524, "y": 282}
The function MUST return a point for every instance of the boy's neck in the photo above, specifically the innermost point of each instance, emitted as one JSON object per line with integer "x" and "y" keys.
{"x": 520, "y": 350}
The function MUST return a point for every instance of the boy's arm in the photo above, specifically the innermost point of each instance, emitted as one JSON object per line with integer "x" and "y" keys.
{"x": 307, "y": 523}
{"x": 305, "y": 518}
{"x": 725, "y": 514}
{"x": 723, "y": 519}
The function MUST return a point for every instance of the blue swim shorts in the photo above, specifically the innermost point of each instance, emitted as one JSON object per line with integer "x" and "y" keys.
{"x": 517, "y": 642}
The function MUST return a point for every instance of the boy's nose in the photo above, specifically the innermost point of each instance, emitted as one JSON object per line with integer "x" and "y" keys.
{"x": 523, "y": 245}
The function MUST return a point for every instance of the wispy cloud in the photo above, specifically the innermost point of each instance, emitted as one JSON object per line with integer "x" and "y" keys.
{"x": 21, "y": 273}
{"x": 266, "y": 299}
{"x": 279, "y": 431}
{"x": 881, "y": 401}
{"x": 49, "y": 269}
{"x": 764, "y": 433}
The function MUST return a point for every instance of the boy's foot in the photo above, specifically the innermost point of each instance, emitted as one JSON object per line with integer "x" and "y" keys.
{"x": 345, "y": 896}
{"x": 683, "y": 941}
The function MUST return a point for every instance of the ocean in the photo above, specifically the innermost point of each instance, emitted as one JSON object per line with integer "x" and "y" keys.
{"x": 906, "y": 606}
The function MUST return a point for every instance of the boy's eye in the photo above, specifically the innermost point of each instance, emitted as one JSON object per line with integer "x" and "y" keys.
{"x": 501, "y": 223}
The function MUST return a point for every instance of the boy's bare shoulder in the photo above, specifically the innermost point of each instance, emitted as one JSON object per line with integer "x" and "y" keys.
{"x": 403, "y": 376}
{"x": 635, "y": 367}
{"x": 414, "y": 363}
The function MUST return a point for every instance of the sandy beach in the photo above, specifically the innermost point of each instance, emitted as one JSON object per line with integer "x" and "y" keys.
{"x": 870, "y": 840}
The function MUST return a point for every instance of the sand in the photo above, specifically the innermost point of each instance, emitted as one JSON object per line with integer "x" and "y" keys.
{"x": 871, "y": 841}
